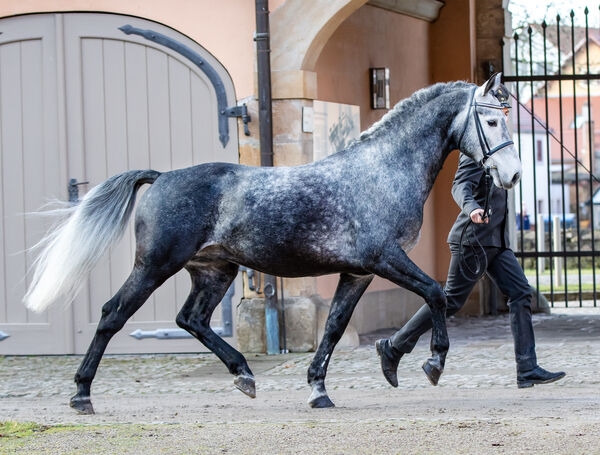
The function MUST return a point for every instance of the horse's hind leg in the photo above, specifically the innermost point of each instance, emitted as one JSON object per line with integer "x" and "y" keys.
{"x": 210, "y": 281}
{"x": 397, "y": 267}
{"x": 349, "y": 290}
{"x": 135, "y": 291}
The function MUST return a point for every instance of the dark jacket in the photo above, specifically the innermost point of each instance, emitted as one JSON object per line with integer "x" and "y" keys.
{"x": 468, "y": 190}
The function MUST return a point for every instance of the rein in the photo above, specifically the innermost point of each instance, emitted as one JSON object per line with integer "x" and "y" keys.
{"x": 480, "y": 265}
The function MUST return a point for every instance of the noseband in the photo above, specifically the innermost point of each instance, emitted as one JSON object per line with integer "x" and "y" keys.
{"x": 485, "y": 148}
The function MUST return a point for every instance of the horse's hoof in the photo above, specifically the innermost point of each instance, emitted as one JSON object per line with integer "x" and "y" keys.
{"x": 433, "y": 371}
{"x": 246, "y": 385}
{"x": 321, "y": 401}
{"x": 83, "y": 405}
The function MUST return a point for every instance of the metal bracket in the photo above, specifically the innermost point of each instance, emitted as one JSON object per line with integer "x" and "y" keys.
{"x": 73, "y": 189}
{"x": 239, "y": 111}
{"x": 201, "y": 63}
{"x": 169, "y": 334}
{"x": 3, "y": 335}
{"x": 252, "y": 276}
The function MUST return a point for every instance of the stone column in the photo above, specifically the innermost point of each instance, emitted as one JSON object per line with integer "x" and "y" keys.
{"x": 489, "y": 30}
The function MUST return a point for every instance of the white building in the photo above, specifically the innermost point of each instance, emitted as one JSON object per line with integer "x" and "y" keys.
{"x": 535, "y": 149}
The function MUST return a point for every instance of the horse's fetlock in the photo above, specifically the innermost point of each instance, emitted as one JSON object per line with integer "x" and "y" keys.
{"x": 315, "y": 375}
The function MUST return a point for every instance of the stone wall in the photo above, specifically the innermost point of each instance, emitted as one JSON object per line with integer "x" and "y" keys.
{"x": 489, "y": 30}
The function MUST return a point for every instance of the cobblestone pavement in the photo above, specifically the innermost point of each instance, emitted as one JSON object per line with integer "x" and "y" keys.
{"x": 477, "y": 390}
{"x": 481, "y": 355}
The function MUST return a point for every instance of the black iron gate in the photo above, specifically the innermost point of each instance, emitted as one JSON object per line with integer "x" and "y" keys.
{"x": 554, "y": 72}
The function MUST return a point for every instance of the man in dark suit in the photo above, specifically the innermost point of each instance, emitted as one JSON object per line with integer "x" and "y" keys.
{"x": 485, "y": 248}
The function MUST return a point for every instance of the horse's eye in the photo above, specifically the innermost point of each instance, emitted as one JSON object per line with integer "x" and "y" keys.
{"x": 492, "y": 122}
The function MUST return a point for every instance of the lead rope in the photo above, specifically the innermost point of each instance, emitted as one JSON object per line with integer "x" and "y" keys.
{"x": 480, "y": 264}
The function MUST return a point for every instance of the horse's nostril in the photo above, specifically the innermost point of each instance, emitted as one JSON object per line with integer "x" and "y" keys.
{"x": 516, "y": 178}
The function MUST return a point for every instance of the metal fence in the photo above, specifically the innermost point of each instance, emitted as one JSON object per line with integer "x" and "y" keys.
{"x": 554, "y": 74}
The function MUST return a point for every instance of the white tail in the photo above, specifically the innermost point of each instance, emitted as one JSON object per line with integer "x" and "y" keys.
{"x": 74, "y": 246}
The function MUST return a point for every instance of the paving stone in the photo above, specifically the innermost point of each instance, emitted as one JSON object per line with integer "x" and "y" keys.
{"x": 481, "y": 355}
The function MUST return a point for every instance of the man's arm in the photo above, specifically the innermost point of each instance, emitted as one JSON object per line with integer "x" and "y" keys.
{"x": 466, "y": 179}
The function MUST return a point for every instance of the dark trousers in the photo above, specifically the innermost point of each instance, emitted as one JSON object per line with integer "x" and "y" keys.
{"x": 504, "y": 269}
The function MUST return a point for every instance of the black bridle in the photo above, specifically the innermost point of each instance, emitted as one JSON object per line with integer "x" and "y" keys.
{"x": 502, "y": 96}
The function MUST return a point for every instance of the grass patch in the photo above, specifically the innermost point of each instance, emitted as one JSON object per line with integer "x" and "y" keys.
{"x": 18, "y": 438}
{"x": 571, "y": 271}
{"x": 15, "y": 435}
{"x": 572, "y": 287}
{"x": 9, "y": 429}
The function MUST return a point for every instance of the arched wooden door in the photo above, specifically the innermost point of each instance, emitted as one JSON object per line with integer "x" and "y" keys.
{"x": 109, "y": 102}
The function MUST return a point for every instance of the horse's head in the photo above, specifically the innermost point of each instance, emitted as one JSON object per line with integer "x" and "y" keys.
{"x": 483, "y": 132}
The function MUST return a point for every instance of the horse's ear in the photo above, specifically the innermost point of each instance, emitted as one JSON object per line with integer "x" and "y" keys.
{"x": 494, "y": 81}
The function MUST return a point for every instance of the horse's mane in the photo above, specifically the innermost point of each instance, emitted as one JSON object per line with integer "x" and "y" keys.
{"x": 408, "y": 106}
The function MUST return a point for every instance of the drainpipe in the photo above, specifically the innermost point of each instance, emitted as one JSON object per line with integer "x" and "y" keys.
{"x": 265, "y": 119}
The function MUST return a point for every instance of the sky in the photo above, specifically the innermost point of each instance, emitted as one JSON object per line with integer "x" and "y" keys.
{"x": 524, "y": 11}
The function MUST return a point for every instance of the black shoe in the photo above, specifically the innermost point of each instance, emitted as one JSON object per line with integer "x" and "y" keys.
{"x": 537, "y": 376}
{"x": 390, "y": 358}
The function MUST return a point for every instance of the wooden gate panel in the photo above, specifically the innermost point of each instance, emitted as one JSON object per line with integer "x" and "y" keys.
{"x": 138, "y": 139}
{"x": 31, "y": 175}
{"x": 12, "y": 178}
{"x": 33, "y": 169}
{"x": 159, "y": 123}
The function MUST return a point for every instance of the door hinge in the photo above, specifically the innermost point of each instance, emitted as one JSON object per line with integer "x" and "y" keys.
{"x": 161, "y": 334}
{"x": 239, "y": 111}
{"x": 171, "y": 334}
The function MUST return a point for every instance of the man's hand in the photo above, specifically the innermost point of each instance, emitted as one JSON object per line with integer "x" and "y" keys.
{"x": 476, "y": 216}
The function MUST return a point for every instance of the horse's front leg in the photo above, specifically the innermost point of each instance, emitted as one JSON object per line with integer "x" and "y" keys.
{"x": 394, "y": 265}
{"x": 347, "y": 294}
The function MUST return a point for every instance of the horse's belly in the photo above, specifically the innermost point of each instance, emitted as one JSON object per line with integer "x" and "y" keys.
{"x": 288, "y": 260}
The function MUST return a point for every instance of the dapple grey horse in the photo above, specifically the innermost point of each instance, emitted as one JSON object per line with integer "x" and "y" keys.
{"x": 356, "y": 212}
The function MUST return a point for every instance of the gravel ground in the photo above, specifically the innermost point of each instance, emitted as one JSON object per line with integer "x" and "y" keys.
{"x": 180, "y": 404}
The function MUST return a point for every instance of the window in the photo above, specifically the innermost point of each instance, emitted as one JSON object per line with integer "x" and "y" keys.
{"x": 539, "y": 154}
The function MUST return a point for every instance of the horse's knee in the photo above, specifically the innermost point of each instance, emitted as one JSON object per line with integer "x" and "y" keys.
{"x": 435, "y": 296}
{"x": 112, "y": 319}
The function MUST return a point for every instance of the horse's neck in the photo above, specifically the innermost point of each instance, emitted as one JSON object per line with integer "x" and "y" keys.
{"x": 425, "y": 157}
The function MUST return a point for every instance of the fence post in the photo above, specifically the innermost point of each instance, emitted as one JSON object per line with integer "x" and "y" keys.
{"x": 541, "y": 240}
{"x": 558, "y": 261}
